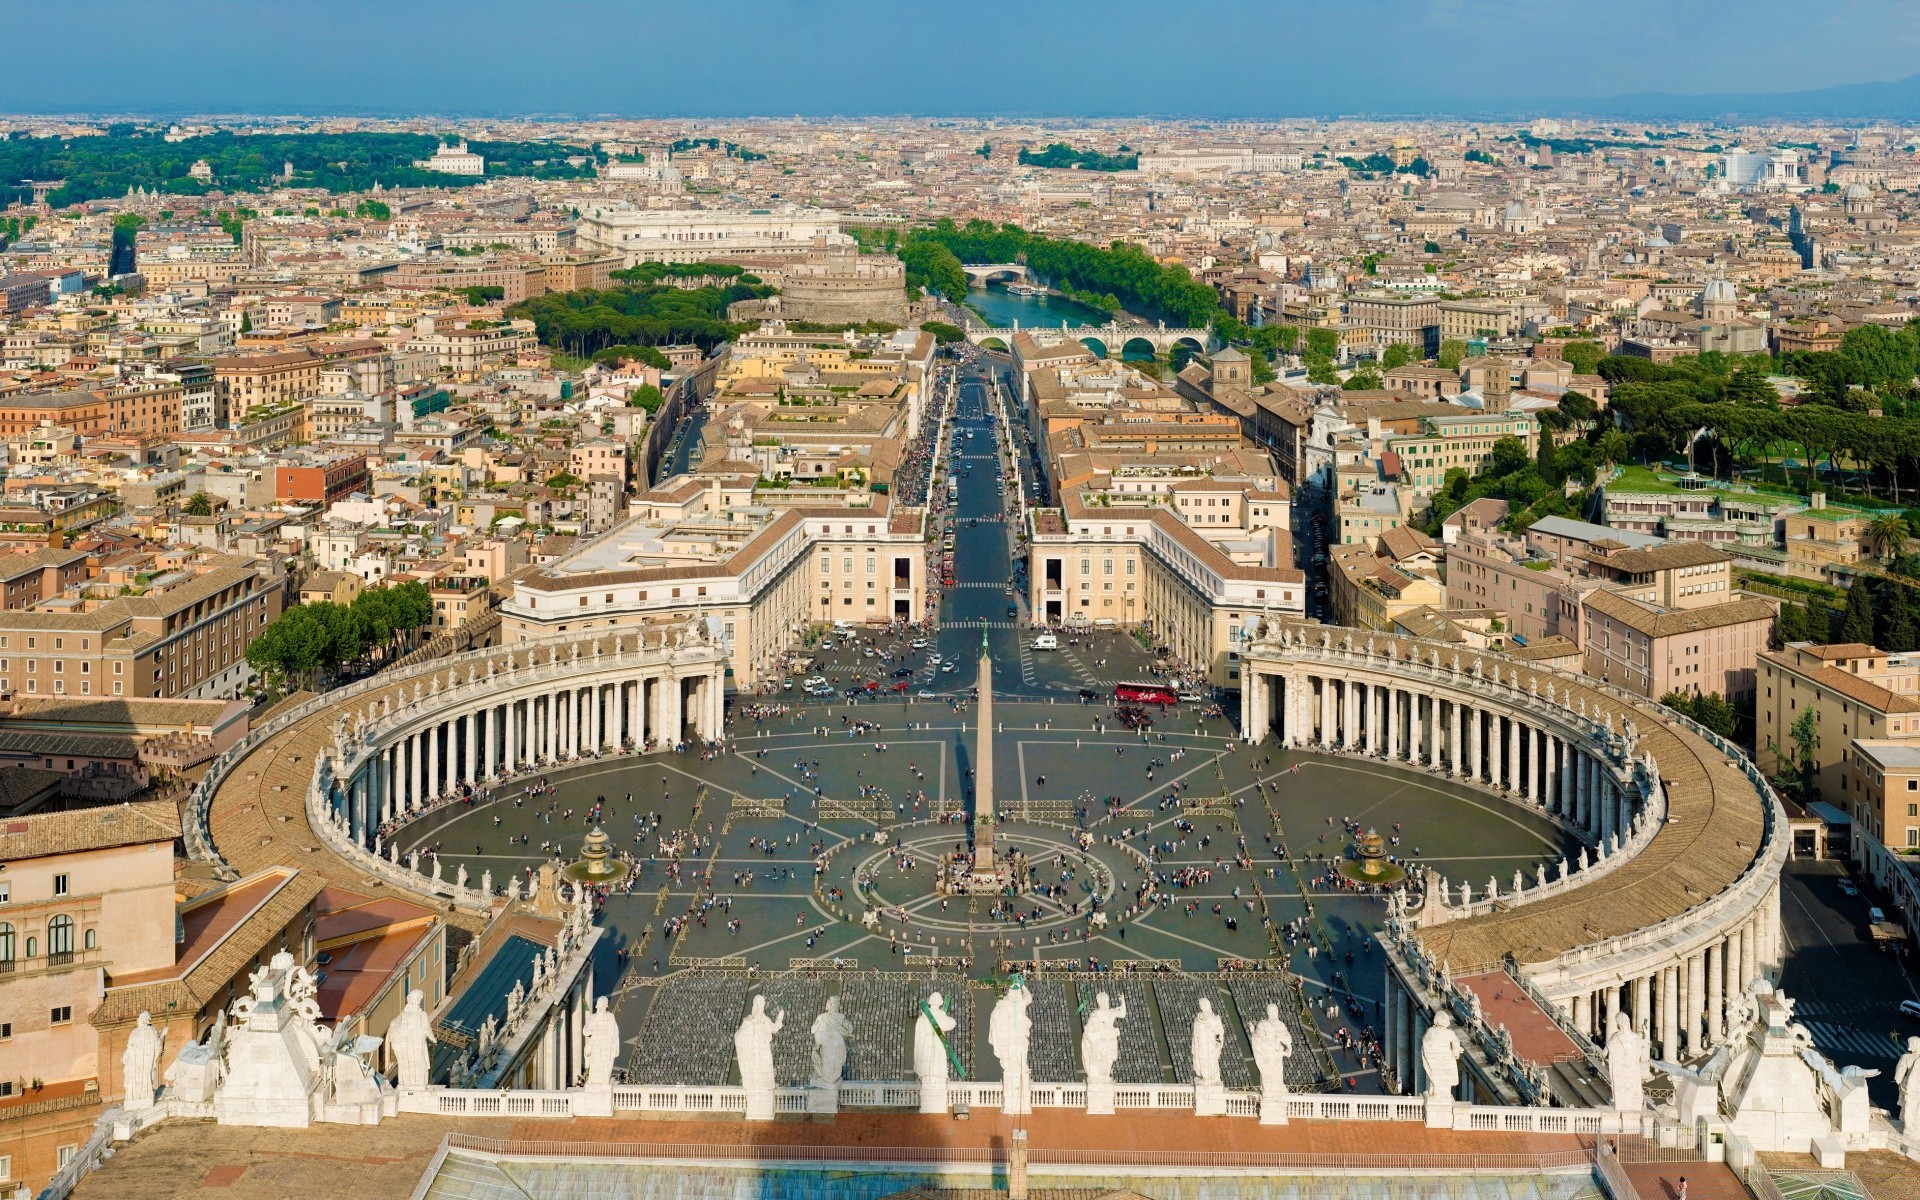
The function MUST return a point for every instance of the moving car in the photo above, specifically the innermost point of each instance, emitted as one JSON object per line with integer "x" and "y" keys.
{"x": 1046, "y": 641}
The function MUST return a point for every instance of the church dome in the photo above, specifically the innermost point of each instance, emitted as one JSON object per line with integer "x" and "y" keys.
{"x": 1718, "y": 291}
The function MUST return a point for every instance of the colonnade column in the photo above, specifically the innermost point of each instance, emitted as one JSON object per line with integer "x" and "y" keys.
{"x": 1515, "y": 778}
{"x": 1494, "y": 759}
{"x": 1453, "y": 764}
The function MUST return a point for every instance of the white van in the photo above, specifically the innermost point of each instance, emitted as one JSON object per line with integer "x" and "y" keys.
{"x": 1046, "y": 641}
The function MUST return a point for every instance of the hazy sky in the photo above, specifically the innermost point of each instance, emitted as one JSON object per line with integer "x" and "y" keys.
{"x": 829, "y": 57}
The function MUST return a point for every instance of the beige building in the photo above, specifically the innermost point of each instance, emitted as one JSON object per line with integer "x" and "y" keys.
{"x": 1652, "y": 650}
{"x": 763, "y": 578}
{"x": 184, "y": 633}
{"x": 87, "y": 898}
{"x": 258, "y": 381}
{"x": 1854, "y": 691}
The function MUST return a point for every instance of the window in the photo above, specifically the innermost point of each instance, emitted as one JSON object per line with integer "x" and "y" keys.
{"x": 60, "y": 881}
{"x": 6, "y": 942}
{"x": 60, "y": 935}
{"x": 61, "y": 1015}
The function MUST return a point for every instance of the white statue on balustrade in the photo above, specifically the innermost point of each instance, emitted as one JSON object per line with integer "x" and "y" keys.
{"x": 602, "y": 1033}
{"x": 409, "y": 1036}
{"x": 1010, "y": 1033}
{"x": 196, "y": 1074}
{"x": 1628, "y": 1057}
{"x": 930, "y": 1029}
{"x": 831, "y": 1032}
{"x": 1099, "y": 1050}
{"x": 1906, "y": 1077}
{"x": 140, "y": 1063}
{"x": 1440, "y": 1058}
{"x": 1209, "y": 1037}
{"x": 1848, "y": 1109}
{"x": 1272, "y": 1044}
{"x": 753, "y": 1048}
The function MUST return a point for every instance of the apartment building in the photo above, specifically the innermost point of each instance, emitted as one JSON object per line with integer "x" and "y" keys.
{"x": 1651, "y": 650}
{"x": 263, "y": 381}
{"x": 1369, "y": 591}
{"x": 469, "y": 351}
{"x": 87, "y": 897}
{"x": 1462, "y": 438}
{"x": 1487, "y": 569}
{"x": 1376, "y": 320}
{"x": 1854, "y": 691}
{"x": 145, "y": 407}
{"x": 321, "y": 478}
{"x": 182, "y": 632}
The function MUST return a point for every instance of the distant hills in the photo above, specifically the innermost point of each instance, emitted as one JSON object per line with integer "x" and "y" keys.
{"x": 1895, "y": 100}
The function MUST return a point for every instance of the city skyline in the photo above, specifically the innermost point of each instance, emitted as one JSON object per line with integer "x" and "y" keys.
{"x": 1226, "y": 60}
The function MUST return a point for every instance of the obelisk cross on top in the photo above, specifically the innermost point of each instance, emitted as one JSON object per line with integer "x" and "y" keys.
{"x": 983, "y": 769}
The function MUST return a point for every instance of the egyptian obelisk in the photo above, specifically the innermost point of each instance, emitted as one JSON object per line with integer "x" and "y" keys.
{"x": 983, "y": 770}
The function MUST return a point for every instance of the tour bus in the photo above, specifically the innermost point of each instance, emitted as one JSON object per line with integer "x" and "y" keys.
{"x": 1145, "y": 693}
{"x": 1046, "y": 641}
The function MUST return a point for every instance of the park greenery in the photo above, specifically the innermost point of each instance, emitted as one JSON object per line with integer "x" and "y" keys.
{"x": 733, "y": 149}
{"x": 1121, "y": 272}
{"x": 654, "y": 272}
{"x": 943, "y": 333}
{"x": 1857, "y": 423}
{"x": 585, "y": 322}
{"x": 1709, "y": 709}
{"x": 1063, "y": 155}
{"x": 646, "y": 356}
{"x": 314, "y": 643}
{"x": 104, "y": 168}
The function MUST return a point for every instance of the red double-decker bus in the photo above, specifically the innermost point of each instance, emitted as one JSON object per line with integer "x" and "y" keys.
{"x": 1145, "y": 693}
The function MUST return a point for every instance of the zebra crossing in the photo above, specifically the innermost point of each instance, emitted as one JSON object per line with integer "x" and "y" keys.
{"x": 981, "y": 625}
{"x": 1848, "y": 1039}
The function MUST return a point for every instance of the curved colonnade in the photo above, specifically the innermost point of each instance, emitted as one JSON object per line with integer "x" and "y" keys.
{"x": 361, "y": 761}
{"x": 1674, "y": 906}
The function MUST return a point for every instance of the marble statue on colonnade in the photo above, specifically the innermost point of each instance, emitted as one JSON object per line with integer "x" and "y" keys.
{"x": 1628, "y": 1056}
{"x": 602, "y": 1033}
{"x": 930, "y": 1052}
{"x": 753, "y": 1047}
{"x": 140, "y": 1063}
{"x": 1272, "y": 1044}
{"x": 1440, "y": 1059}
{"x": 1906, "y": 1077}
{"x": 831, "y": 1031}
{"x": 1209, "y": 1038}
{"x": 1010, "y": 1033}
{"x": 1099, "y": 1049}
{"x": 409, "y": 1036}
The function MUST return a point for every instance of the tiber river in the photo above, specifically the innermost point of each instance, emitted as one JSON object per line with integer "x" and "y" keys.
{"x": 1002, "y": 308}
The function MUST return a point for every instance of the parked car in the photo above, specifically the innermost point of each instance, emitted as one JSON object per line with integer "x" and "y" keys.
{"x": 1847, "y": 887}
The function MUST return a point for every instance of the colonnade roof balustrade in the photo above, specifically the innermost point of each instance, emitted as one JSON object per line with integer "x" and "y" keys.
{"x": 1722, "y": 821}
{"x": 253, "y": 810}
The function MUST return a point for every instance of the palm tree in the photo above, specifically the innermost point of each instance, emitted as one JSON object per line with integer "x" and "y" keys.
{"x": 1886, "y": 536}
{"x": 1613, "y": 447}
{"x": 199, "y": 505}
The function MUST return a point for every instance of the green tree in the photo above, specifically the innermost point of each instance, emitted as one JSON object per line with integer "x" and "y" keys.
{"x": 943, "y": 333}
{"x": 1361, "y": 381}
{"x": 646, "y": 396}
{"x": 1856, "y": 621}
{"x": 1583, "y": 357}
{"x": 1452, "y": 354}
{"x": 1397, "y": 355}
{"x": 1806, "y": 740}
{"x": 198, "y": 505}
